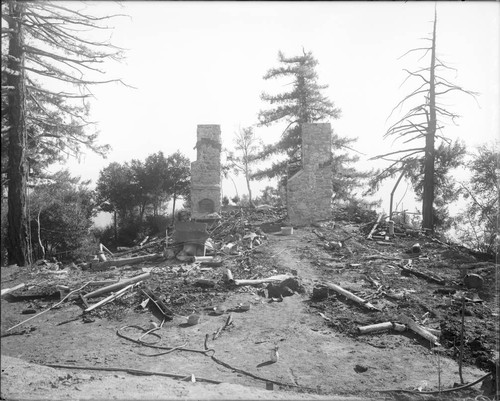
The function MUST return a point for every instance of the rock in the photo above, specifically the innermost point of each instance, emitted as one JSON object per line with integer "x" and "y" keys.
{"x": 320, "y": 293}
{"x": 360, "y": 368}
{"x": 473, "y": 281}
{"x": 204, "y": 283}
{"x": 277, "y": 290}
{"x": 193, "y": 319}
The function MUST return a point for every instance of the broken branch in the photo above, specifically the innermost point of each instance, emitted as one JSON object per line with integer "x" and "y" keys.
{"x": 351, "y": 296}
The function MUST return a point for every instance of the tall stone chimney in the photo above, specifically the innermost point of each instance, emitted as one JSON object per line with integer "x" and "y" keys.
{"x": 206, "y": 173}
{"x": 310, "y": 190}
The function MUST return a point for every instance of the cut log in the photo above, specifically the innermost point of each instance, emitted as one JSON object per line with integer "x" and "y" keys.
{"x": 117, "y": 286}
{"x": 203, "y": 258}
{"x": 272, "y": 279}
{"x": 351, "y": 296}
{"x": 375, "y": 328}
{"x": 6, "y": 291}
{"x": 419, "y": 330}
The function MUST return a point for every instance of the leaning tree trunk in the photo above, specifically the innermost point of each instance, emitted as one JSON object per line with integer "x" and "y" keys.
{"x": 17, "y": 243}
{"x": 428, "y": 190}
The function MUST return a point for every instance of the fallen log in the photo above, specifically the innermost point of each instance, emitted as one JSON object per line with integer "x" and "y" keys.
{"x": 272, "y": 279}
{"x": 419, "y": 330}
{"x": 6, "y": 291}
{"x": 117, "y": 286}
{"x": 123, "y": 262}
{"x": 351, "y": 296}
{"x": 425, "y": 276}
{"x": 373, "y": 328}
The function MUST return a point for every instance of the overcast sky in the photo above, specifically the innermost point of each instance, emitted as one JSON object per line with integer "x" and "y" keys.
{"x": 203, "y": 62}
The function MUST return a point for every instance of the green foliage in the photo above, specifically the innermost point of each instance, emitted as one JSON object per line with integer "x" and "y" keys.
{"x": 60, "y": 214}
{"x": 137, "y": 193}
{"x": 346, "y": 178}
{"x": 304, "y": 103}
{"x": 478, "y": 224}
{"x": 448, "y": 157}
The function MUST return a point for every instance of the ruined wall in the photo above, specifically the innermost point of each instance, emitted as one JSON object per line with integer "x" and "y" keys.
{"x": 206, "y": 172}
{"x": 309, "y": 191}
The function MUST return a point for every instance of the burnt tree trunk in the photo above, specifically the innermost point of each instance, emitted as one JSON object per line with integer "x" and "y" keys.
{"x": 17, "y": 242}
{"x": 429, "y": 158}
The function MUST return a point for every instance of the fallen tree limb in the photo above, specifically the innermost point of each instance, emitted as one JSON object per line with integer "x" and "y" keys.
{"x": 272, "y": 279}
{"x": 52, "y": 307}
{"x": 117, "y": 286}
{"x": 111, "y": 297}
{"x": 131, "y": 371}
{"x": 351, "y": 296}
{"x": 6, "y": 291}
{"x": 122, "y": 262}
{"x": 419, "y": 330}
{"x": 425, "y": 276}
{"x": 138, "y": 248}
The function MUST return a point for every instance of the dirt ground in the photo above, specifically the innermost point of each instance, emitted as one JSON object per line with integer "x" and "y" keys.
{"x": 321, "y": 354}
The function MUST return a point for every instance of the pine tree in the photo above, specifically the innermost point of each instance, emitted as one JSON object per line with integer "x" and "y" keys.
{"x": 45, "y": 41}
{"x": 304, "y": 103}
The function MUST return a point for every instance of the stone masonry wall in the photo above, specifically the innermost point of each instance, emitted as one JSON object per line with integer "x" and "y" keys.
{"x": 309, "y": 191}
{"x": 206, "y": 171}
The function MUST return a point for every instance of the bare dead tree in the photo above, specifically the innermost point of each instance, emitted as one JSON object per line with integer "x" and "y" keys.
{"x": 424, "y": 121}
{"x": 49, "y": 65}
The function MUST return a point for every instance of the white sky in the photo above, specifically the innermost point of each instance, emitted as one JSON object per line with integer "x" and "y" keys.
{"x": 202, "y": 63}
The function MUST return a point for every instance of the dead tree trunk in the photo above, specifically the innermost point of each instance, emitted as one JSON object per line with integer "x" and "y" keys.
{"x": 17, "y": 243}
{"x": 428, "y": 190}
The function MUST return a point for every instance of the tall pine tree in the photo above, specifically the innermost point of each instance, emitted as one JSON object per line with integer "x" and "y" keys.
{"x": 304, "y": 103}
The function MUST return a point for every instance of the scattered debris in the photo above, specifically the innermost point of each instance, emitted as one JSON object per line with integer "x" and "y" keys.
{"x": 117, "y": 286}
{"x": 112, "y": 297}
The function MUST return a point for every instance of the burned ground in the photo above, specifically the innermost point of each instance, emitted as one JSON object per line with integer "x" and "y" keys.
{"x": 314, "y": 327}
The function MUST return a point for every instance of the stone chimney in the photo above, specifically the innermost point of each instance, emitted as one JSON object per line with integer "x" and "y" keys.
{"x": 310, "y": 191}
{"x": 206, "y": 173}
